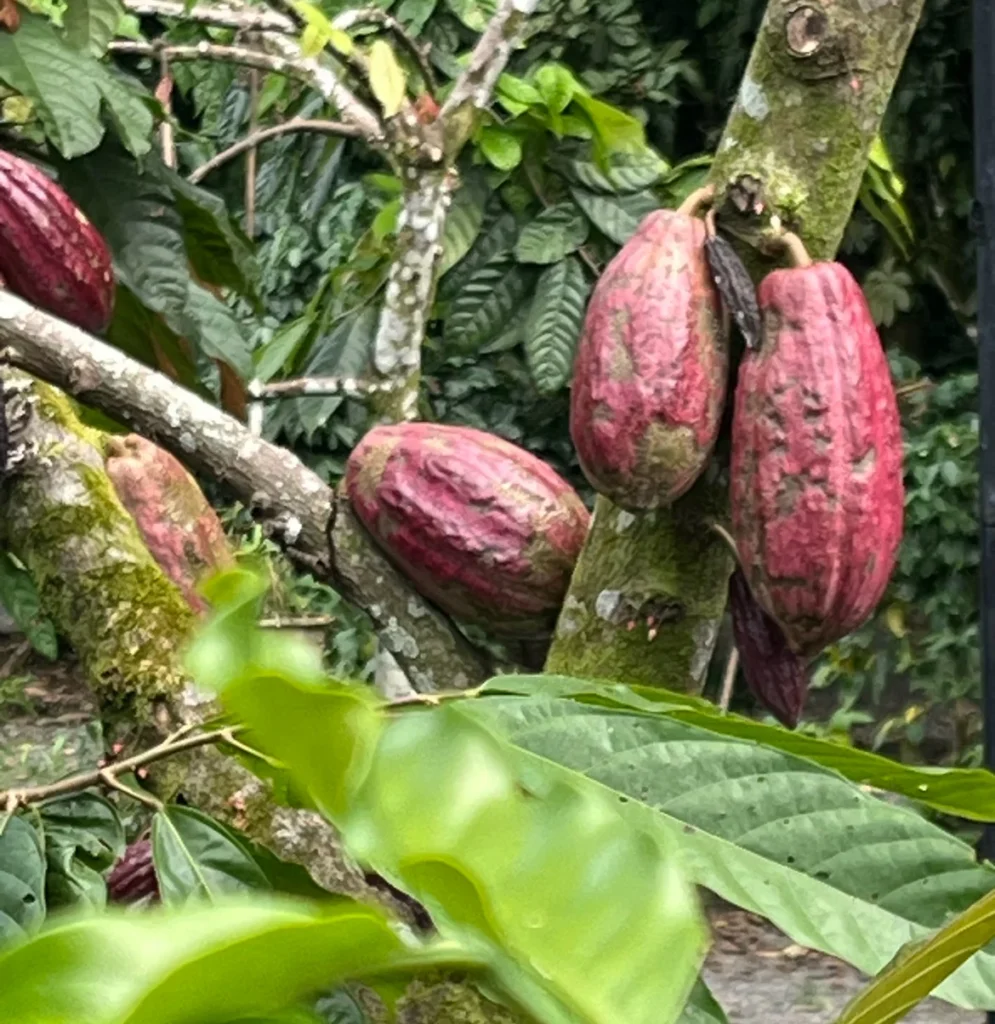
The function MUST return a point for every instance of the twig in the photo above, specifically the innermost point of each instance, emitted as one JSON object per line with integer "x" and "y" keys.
{"x": 252, "y": 159}
{"x": 313, "y": 387}
{"x": 287, "y": 60}
{"x": 250, "y": 142}
{"x": 164, "y": 94}
{"x": 223, "y": 15}
{"x": 107, "y": 775}
{"x": 374, "y": 15}
{"x": 732, "y": 667}
{"x": 913, "y": 387}
{"x": 298, "y": 622}
{"x": 108, "y": 778}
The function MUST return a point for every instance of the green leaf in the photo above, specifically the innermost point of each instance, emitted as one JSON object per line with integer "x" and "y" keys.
{"x": 827, "y": 864}
{"x": 503, "y": 149}
{"x": 39, "y": 64}
{"x": 195, "y": 858}
{"x": 495, "y": 240}
{"x": 585, "y": 916}
{"x": 91, "y": 24}
{"x": 557, "y": 86}
{"x": 22, "y": 879}
{"x": 212, "y": 965}
{"x": 385, "y": 222}
{"x": 83, "y": 837}
{"x": 414, "y": 14}
{"x": 918, "y": 970}
{"x": 281, "y": 348}
{"x": 614, "y": 129}
{"x": 554, "y": 324}
{"x": 475, "y": 14}
{"x": 702, "y": 1007}
{"x": 619, "y": 174}
{"x": 486, "y": 304}
{"x": 19, "y": 595}
{"x": 463, "y": 222}
{"x": 616, "y": 217}
{"x": 555, "y": 233}
{"x": 387, "y": 79}
{"x": 963, "y": 792}
{"x": 516, "y": 95}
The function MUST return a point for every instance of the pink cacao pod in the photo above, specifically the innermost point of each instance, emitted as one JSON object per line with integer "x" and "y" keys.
{"x": 482, "y": 528}
{"x": 179, "y": 527}
{"x": 133, "y": 878}
{"x": 650, "y": 374}
{"x": 50, "y": 254}
{"x": 817, "y": 494}
{"x": 774, "y": 673}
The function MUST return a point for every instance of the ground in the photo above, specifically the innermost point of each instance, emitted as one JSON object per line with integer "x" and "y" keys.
{"x": 47, "y": 731}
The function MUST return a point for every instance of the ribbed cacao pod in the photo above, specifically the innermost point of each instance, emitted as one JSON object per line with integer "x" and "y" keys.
{"x": 178, "y": 525}
{"x": 133, "y": 878}
{"x": 50, "y": 254}
{"x": 482, "y": 528}
{"x": 650, "y": 374}
{"x": 817, "y": 495}
{"x": 774, "y": 673}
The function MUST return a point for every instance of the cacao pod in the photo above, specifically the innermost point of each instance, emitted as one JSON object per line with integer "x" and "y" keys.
{"x": 133, "y": 878}
{"x": 50, "y": 254}
{"x": 178, "y": 525}
{"x": 482, "y": 528}
{"x": 650, "y": 374}
{"x": 774, "y": 673}
{"x": 817, "y": 494}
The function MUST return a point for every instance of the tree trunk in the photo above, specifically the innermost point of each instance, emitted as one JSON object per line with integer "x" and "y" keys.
{"x": 795, "y": 146}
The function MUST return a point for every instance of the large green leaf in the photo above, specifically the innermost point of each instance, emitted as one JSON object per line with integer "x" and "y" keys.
{"x": 581, "y": 911}
{"x": 83, "y": 836}
{"x": 137, "y": 215}
{"x": 68, "y": 89}
{"x": 621, "y": 173}
{"x": 616, "y": 217}
{"x": 554, "y": 324}
{"x": 211, "y": 965}
{"x": 195, "y": 858}
{"x": 463, "y": 222}
{"x": 554, "y": 234}
{"x": 91, "y": 24}
{"x": 918, "y": 970}
{"x": 22, "y": 879}
{"x": 832, "y": 867}
{"x": 496, "y": 240}
{"x": 486, "y": 304}
{"x": 965, "y": 792}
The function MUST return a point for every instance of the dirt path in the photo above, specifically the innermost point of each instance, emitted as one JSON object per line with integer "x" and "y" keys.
{"x": 759, "y": 977}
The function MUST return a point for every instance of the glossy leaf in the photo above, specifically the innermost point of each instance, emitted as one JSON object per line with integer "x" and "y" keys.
{"x": 22, "y": 879}
{"x": 463, "y": 222}
{"x": 554, "y": 234}
{"x": 777, "y": 835}
{"x": 387, "y": 79}
{"x": 918, "y": 970}
{"x": 91, "y": 24}
{"x": 496, "y": 239}
{"x": 557, "y": 86}
{"x": 554, "y": 324}
{"x": 211, "y": 965}
{"x": 578, "y": 909}
{"x": 37, "y": 62}
{"x": 475, "y": 14}
{"x": 503, "y": 149}
{"x": 616, "y": 217}
{"x": 486, "y": 304}
{"x": 195, "y": 858}
{"x": 964, "y": 792}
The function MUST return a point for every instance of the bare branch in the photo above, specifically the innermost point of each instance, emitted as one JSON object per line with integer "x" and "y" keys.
{"x": 374, "y": 15}
{"x": 297, "y": 124}
{"x": 223, "y": 15}
{"x": 475, "y": 87}
{"x": 314, "y": 387}
{"x": 286, "y": 60}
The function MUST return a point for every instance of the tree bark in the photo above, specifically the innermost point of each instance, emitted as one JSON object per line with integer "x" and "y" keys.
{"x": 795, "y": 147}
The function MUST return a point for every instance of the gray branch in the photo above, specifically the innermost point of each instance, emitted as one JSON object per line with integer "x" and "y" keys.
{"x": 222, "y": 15}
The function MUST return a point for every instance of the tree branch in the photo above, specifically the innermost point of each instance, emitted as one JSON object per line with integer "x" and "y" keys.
{"x": 473, "y": 90}
{"x": 297, "y": 124}
{"x": 222, "y": 15}
{"x": 287, "y": 60}
{"x": 313, "y": 387}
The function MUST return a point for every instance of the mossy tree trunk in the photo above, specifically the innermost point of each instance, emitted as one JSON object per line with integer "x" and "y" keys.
{"x": 649, "y": 590}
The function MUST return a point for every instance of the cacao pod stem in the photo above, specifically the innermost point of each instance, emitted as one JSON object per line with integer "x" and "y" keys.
{"x": 795, "y": 248}
{"x": 696, "y": 200}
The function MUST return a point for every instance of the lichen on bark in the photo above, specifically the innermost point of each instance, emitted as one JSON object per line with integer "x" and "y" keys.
{"x": 795, "y": 146}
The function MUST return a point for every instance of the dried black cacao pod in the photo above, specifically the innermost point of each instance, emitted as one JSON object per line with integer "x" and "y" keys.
{"x": 775, "y": 674}
{"x": 734, "y": 284}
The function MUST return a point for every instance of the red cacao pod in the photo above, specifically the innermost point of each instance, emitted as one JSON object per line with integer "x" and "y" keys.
{"x": 50, "y": 254}
{"x": 817, "y": 495}
{"x": 179, "y": 527}
{"x": 774, "y": 673}
{"x": 650, "y": 374}
{"x": 482, "y": 528}
{"x": 133, "y": 878}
